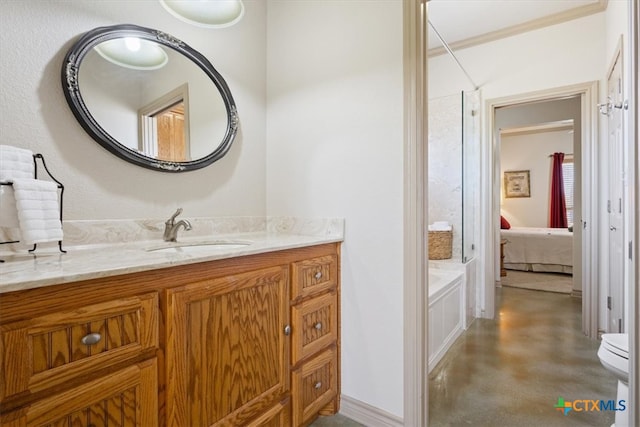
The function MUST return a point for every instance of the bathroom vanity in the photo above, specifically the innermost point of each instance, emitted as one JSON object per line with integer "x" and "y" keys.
{"x": 239, "y": 325}
{"x": 251, "y": 339}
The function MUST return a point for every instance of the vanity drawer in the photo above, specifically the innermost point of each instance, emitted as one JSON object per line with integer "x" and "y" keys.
{"x": 315, "y": 325}
{"x": 54, "y": 348}
{"x": 315, "y": 384}
{"x": 125, "y": 398}
{"x": 313, "y": 276}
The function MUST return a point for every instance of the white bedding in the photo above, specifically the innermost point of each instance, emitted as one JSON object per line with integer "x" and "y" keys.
{"x": 538, "y": 249}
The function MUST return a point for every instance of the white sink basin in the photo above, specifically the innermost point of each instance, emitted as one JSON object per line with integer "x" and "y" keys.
{"x": 200, "y": 247}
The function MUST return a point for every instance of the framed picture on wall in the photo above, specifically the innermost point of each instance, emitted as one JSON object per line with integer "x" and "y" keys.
{"x": 516, "y": 184}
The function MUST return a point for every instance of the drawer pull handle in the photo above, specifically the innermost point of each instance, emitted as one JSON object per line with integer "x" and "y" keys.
{"x": 287, "y": 330}
{"x": 91, "y": 339}
{"x": 318, "y": 326}
{"x": 318, "y": 275}
{"x": 317, "y": 385}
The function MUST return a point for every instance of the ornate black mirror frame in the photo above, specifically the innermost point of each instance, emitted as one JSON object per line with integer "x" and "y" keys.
{"x": 70, "y": 69}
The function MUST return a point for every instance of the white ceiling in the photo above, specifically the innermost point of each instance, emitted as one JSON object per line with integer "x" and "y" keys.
{"x": 465, "y": 20}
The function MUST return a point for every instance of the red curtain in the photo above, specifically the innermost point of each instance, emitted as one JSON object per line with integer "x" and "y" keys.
{"x": 558, "y": 207}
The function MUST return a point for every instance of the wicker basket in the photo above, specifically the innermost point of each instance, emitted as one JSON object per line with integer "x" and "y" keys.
{"x": 440, "y": 244}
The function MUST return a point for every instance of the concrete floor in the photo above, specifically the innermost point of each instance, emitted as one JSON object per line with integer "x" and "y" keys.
{"x": 335, "y": 421}
{"x": 511, "y": 371}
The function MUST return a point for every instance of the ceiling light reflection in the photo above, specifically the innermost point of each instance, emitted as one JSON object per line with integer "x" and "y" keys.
{"x": 132, "y": 52}
{"x": 132, "y": 43}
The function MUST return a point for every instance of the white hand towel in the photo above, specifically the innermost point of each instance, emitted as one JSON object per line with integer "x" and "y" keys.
{"x": 440, "y": 226}
{"x": 38, "y": 210}
{"x": 15, "y": 163}
{"x": 8, "y": 210}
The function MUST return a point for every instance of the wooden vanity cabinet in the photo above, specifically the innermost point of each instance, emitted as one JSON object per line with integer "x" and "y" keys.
{"x": 247, "y": 341}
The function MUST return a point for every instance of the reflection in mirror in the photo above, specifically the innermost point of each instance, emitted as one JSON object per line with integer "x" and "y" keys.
{"x": 171, "y": 117}
{"x": 164, "y": 126}
{"x": 170, "y": 141}
{"x": 131, "y": 52}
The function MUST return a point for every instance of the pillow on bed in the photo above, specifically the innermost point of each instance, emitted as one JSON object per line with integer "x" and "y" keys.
{"x": 504, "y": 224}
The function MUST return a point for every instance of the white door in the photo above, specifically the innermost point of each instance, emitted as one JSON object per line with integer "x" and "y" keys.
{"x": 615, "y": 299}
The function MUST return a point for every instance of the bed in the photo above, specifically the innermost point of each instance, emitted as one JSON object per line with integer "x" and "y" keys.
{"x": 538, "y": 249}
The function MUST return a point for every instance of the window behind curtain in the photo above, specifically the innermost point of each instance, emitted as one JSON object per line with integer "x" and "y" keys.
{"x": 567, "y": 176}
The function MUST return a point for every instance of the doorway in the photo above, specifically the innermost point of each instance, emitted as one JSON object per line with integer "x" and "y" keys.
{"x": 585, "y": 240}
{"x": 164, "y": 126}
{"x": 170, "y": 134}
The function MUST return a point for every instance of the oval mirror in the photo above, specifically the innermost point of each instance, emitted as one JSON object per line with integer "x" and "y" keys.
{"x": 149, "y": 98}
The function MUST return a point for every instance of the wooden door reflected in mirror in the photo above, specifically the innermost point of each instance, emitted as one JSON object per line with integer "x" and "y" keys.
{"x": 171, "y": 137}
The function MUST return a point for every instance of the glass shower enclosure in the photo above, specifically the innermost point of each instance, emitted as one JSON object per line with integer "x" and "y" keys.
{"x": 470, "y": 172}
{"x": 454, "y": 168}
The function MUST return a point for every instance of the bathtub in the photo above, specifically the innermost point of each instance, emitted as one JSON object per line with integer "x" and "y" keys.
{"x": 446, "y": 311}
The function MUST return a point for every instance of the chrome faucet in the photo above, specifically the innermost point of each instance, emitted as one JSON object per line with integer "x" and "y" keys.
{"x": 171, "y": 227}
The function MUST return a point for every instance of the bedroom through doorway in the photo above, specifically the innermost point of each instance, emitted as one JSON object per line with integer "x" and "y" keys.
{"x": 565, "y": 113}
{"x": 537, "y": 166}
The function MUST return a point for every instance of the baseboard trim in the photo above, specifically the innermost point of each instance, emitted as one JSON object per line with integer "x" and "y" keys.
{"x": 367, "y": 414}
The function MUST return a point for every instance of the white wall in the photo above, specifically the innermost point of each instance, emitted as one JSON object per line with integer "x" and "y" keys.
{"x": 530, "y": 151}
{"x": 335, "y": 147}
{"x": 554, "y": 56}
{"x": 34, "y": 114}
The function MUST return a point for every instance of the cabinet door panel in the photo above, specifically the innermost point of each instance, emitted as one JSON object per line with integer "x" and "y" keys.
{"x": 226, "y": 348}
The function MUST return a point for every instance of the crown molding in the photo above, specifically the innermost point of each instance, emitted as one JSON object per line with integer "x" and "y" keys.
{"x": 536, "y": 24}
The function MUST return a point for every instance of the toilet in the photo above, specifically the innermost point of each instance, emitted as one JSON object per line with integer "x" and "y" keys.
{"x": 614, "y": 356}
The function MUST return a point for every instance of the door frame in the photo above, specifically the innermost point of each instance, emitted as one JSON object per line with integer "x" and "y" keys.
{"x": 490, "y": 234}
{"x": 633, "y": 192}
{"x": 415, "y": 280}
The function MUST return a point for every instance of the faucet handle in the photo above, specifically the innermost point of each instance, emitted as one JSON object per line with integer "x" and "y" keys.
{"x": 173, "y": 217}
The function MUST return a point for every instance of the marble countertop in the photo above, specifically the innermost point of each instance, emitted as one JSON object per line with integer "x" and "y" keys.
{"x": 47, "y": 267}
